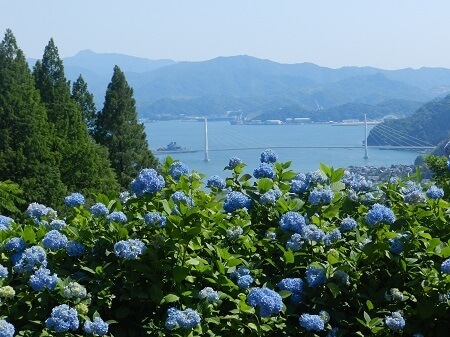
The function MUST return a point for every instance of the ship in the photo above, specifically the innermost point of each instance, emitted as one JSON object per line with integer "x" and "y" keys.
{"x": 172, "y": 147}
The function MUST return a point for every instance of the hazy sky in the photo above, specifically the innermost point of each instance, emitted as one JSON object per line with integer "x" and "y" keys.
{"x": 388, "y": 34}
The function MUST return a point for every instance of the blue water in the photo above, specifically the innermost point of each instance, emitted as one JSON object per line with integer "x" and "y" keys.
{"x": 223, "y": 135}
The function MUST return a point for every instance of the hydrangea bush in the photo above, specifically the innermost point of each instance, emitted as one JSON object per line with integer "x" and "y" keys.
{"x": 282, "y": 254}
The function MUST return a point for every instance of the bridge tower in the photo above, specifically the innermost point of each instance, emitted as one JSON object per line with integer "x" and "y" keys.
{"x": 366, "y": 149}
{"x": 206, "y": 141}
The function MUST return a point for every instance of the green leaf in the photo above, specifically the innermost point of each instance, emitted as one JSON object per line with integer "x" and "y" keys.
{"x": 288, "y": 175}
{"x": 170, "y": 298}
{"x": 28, "y": 235}
{"x": 445, "y": 252}
{"x": 288, "y": 256}
{"x": 180, "y": 273}
{"x": 333, "y": 257}
{"x": 369, "y": 305}
{"x": 264, "y": 185}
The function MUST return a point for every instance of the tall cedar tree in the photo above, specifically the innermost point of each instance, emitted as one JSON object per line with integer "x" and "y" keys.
{"x": 84, "y": 165}
{"x": 25, "y": 141}
{"x": 85, "y": 101}
{"x": 117, "y": 128}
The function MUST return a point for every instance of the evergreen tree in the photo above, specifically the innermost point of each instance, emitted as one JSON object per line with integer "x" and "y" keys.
{"x": 117, "y": 128}
{"x": 85, "y": 101}
{"x": 84, "y": 165}
{"x": 25, "y": 140}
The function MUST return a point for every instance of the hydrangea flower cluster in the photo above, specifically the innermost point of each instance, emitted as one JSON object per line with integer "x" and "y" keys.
{"x": 379, "y": 213}
{"x": 186, "y": 319}
{"x": 397, "y": 243}
{"x": 74, "y": 248}
{"x": 321, "y": 196}
{"x": 36, "y": 211}
{"x": 5, "y": 222}
{"x": 117, "y": 216}
{"x": 57, "y": 224}
{"x": 3, "y": 271}
{"x": 445, "y": 266}
{"x": 155, "y": 219}
{"x": 6, "y": 329}
{"x": 43, "y": 279}
{"x": 236, "y": 200}
{"x": 54, "y": 240}
{"x": 74, "y": 200}
{"x": 312, "y": 322}
{"x": 177, "y": 169}
{"x": 295, "y": 242}
{"x": 63, "y": 318}
{"x": 342, "y": 276}
{"x": 412, "y": 193}
{"x": 15, "y": 245}
{"x": 347, "y": 224}
{"x": 264, "y": 170}
{"x": 315, "y": 276}
{"x": 312, "y": 233}
{"x": 299, "y": 186}
{"x": 292, "y": 221}
{"x": 234, "y": 232}
{"x": 30, "y": 259}
{"x": 268, "y": 156}
{"x": 7, "y": 292}
{"x": 234, "y": 161}
{"x": 295, "y": 286}
{"x": 271, "y": 235}
{"x": 148, "y": 181}
{"x": 332, "y": 237}
{"x": 209, "y": 294}
{"x": 125, "y": 196}
{"x": 434, "y": 192}
{"x": 395, "y": 321}
{"x": 216, "y": 182}
{"x": 270, "y": 197}
{"x": 129, "y": 249}
{"x": 96, "y": 327}
{"x": 73, "y": 290}
{"x": 316, "y": 177}
{"x": 242, "y": 277}
{"x": 268, "y": 301}
{"x": 357, "y": 182}
{"x": 99, "y": 209}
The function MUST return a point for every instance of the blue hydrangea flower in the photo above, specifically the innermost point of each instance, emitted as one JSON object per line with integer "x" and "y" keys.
{"x": 155, "y": 219}
{"x": 311, "y": 322}
{"x": 412, "y": 193}
{"x": 117, "y": 216}
{"x": 5, "y": 222}
{"x": 3, "y": 271}
{"x": 316, "y": 177}
{"x": 63, "y": 318}
{"x": 299, "y": 186}
{"x": 236, "y": 200}
{"x": 245, "y": 281}
{"x": 75, "y": 248}
{"x": 356, "y": 182}
{"x": 54, "y": 240}
{"x": 148, "y": 181}
{"x": 315, "y": 276}
{"x": 43, "y": 279}
{"x": 312, "y": 233}
{"x": 234, "y": 232}
{"x": 74, "y": 200}
{"x": 445, "y": 266}
{"x": 342, "y": 276}
{"x": 295, "y": 242}
{"x": 124, "y": 197}
{"x": 239, "y": 272}
{"x": 129, "y": 249}
{"x": 30, "y": 259}
{"x": 396, "y": 245}
{"x": 334, "y": 332}
{"x": 268, "y": 156}
{"x": 268, "y": 301}
{"x": 295, "y": 286}
{"x": 6, "y": 329}
{"x": 264, "y": 171}
{"x": 216, "y": 182}
{"x": 177, "y": 169}
{"x": 186, "y": 319}
{"x": 395, "y": 321}
{"x": 270, "y": 197}
{"x": 96, "y": 327}
{"x": 209, "y": 294}
{"x": 57, "y": 224}
{"x": 332, "y": 236}
{"x": 36, "y": 210}
{"x": 348, "y": 224}
{"x": 234, "y": 161}
{"x": 435, "y": 192}
{"x": 292, "y": 221}
{"x": 179, "y": 196}
{"x": 271, "y": 235}
{"x": 379, "y": 213}
{"x": 99, "y": 209}
{"x": 15, "y": 245}
{"x": 321, "y": 196}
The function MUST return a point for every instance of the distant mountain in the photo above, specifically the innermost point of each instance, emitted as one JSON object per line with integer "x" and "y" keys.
{"x": 430, "y": 123}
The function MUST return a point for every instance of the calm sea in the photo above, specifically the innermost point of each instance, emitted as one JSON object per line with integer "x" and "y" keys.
{"x": 223, "y": 135}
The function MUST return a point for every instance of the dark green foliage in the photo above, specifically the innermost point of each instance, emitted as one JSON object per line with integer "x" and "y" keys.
{"x": 118, "y": 129}
{"x": 11, "y": 196}
{"x": 25, "y": 155}
{"x": 85, "y": 101}
{"x": 83, "y": 163}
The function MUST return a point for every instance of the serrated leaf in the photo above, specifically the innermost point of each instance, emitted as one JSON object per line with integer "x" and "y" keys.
{"x": 288, "y": 256}
{"x": 170, "y": 298}
{"x": 264, "y": 185}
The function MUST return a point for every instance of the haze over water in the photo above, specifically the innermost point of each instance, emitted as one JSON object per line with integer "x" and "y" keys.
{"x": 222, "y": 135}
